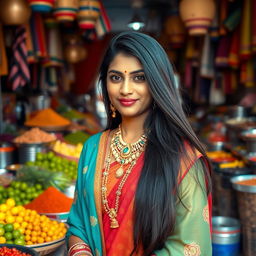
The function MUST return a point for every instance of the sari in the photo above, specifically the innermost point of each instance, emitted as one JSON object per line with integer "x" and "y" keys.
{"x": 88, "y": 221}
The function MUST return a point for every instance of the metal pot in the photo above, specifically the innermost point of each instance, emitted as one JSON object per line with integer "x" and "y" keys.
{"x": 7, "y": 154}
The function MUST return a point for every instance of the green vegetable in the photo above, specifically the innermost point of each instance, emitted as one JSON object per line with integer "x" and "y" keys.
{"x": 37, "y": 175}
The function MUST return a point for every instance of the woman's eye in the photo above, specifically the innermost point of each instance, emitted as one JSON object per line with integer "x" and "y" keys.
{"x": 115, "y": 78}
{"x": 140, "y": 78}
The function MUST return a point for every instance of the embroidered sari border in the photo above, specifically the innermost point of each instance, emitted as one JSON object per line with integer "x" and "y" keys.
{"x": 97, "y": 182}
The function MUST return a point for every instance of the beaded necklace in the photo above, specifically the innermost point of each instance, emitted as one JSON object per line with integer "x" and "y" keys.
{"x": 123, "y": 159}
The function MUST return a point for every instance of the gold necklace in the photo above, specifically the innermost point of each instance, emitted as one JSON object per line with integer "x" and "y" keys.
{"x": 112, "y": 211}
{"x": 125, "y": 153}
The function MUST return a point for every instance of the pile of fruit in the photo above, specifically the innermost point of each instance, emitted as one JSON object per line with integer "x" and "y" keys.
{"x": 26, "y": 227}
{"x": 5, "y": 251}
{"x": 67, "y": 149}
{"x": 20, "y": 191}
{"x": 55, "y": 163}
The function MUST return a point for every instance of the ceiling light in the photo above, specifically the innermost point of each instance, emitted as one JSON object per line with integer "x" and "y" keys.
{"x": 136, "y": 23}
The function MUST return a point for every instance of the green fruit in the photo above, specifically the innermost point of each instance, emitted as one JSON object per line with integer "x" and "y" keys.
{"x": 8, "y": 236}
{"x": 16, "y": 234}
{"x": 9, "y": 242}
{"x": 2, "y": 231}
{"x": 8, "y": 227}
{"x": 19, "y": 241}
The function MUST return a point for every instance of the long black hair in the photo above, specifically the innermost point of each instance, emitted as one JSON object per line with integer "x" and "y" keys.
{"x": 167, "y": 128}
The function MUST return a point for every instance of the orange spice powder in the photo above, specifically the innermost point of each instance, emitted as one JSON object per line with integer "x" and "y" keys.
{"x": 50, "y": 201}
{"x": 250, "y": 182}
{"x": 47, "y": 117}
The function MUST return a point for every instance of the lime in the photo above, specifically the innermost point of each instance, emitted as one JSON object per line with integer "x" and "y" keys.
{"x": 16, "y": 234}
{"x": 24, "y": 186}
{"x": 19, "y": 241}
{"x": 1, "y": 225}
{"x": 9, "y": 242}
{"x": 8, "y": 236}
{"x": 8, "y": 227}
{"x": 2, "y": 231}
{"x": 38, "y": 186}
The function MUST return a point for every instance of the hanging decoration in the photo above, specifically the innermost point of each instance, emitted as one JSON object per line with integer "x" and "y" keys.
{"x": 88, "y": 13}
{"x": 14, "y": 12}
{"x": 19, "y": 71}
{"x": 197, "y": 15}
{"x": 3, "y": 56}
{"x": 65, "y": 10}
{"x": 41, "y": 5}
{"x": 175, "y": 30}
{"x": 74, "y": 50}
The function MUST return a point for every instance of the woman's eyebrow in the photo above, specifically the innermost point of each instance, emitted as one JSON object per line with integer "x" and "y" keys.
{"x": 120, "y": 73}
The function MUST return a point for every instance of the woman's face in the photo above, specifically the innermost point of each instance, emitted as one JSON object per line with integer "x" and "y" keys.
{"x": 127, "y": 87}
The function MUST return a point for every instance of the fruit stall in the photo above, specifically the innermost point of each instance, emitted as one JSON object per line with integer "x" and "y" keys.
{"x": 37, "y": 180}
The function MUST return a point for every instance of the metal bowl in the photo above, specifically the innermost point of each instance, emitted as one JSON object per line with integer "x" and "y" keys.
{"x": 47, "y": 248}
{"x": 60, "y": 217}
{"x": 243, "y": 188}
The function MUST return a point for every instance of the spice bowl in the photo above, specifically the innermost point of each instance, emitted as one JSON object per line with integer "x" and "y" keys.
{"x": 47, "y": 248}
{"x": 60, "y": 217}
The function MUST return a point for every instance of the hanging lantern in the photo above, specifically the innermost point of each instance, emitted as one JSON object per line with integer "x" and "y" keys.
{"x": 65, "y": 10}
{"x": 197, "y": 15}
{"x": 14, "y": 12}
{"x": 175, "y": 30}
{"x": 75, "y": 53}
{"x": 74, "y": 50}
{"x": 41, "y": 5}
{"x": 88, "y": 13}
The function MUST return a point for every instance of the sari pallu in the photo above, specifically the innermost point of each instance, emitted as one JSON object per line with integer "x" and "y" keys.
{"x": 88, "y": 221}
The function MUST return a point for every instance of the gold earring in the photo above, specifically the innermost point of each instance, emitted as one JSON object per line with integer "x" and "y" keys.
{"x": 113, "y": 109}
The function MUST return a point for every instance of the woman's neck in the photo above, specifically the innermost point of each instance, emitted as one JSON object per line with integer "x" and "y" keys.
{"x": 131, "y": 130}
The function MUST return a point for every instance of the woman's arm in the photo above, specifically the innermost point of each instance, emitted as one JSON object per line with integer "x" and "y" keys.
{"x": 192, "y": 234}
{"x": 77, "y": 247}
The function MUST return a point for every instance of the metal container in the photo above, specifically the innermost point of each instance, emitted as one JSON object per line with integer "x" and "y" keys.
{"x": 237, "y": 111}
{"x": 243, "y": 188}
{"x": 225, "y": 236}
{"x": 27, "y": 151}
{"x": 246, "y": 195}
{"x": 249, "y": 137}
{"x": 7, "y": 154}
{"x": 215, "y": 146}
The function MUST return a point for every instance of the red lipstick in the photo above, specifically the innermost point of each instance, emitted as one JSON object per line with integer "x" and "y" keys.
{"x": 127, "y": 102}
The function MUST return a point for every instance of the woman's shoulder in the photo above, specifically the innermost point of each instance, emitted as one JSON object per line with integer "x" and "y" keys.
{"x": 95, "y": 138}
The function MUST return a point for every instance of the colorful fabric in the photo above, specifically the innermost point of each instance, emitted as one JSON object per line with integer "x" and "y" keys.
{"x": 3, "y": 57}
{"x": 253, "y": 20}
{"x": 19, "y": 70}
{"x": 102, "y": 25}
{"x": 88, "y": 221}
{"x": 207, "y": 60}
{"x": 233, "y": 58}
{"x": 221, "y": 59}
{"x": 246, "y": 35}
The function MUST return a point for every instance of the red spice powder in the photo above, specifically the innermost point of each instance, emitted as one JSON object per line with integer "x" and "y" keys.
{"x": 250, "y": 182}
{"x": 50, "y": 201}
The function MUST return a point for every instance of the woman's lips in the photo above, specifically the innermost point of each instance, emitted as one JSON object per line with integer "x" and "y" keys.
{"x": 127, "y": 102}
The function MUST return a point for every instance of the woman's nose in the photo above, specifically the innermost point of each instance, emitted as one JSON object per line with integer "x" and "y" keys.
{"x": 126, "y": 87}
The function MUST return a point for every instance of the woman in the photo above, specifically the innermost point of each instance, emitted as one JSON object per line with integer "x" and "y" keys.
{"x": 143, "y": 184}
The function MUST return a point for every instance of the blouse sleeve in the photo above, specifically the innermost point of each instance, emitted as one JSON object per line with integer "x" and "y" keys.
{"x": 191, "y": 236}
